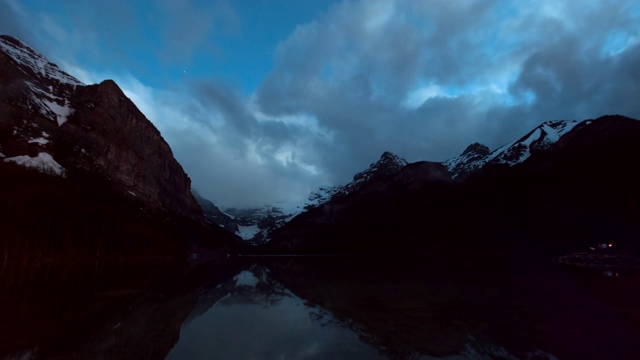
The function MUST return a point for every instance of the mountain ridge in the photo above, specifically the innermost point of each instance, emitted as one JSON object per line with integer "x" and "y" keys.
{"x": 539, "y": 139}
{"x": 388, "y": 163}
{"x": 95, "y": 139}
{"x": 559, "y": 170}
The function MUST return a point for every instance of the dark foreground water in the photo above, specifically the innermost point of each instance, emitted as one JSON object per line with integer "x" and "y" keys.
{"x": 317, "y": 308}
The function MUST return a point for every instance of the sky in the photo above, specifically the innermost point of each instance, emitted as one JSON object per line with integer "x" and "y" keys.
{"x": 264, "y": 101}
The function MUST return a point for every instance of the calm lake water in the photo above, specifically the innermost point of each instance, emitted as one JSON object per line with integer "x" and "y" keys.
{"x": 317, "y": 308}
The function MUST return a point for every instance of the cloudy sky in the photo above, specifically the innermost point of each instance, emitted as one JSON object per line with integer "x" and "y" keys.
{"x": 263, "y": 101}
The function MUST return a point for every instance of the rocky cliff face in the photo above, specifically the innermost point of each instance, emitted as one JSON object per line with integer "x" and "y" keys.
{"x": 125, "y": 146}
{"x": 51, "y": 121}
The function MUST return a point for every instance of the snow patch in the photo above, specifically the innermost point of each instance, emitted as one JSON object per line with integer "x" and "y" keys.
{"x": 247, "y": 232}
{"x": 321, "y": 196}
{"x": 49, "y": 104}
{"x": 246, "y": 278}
{"x": 41, "y": 141}
{"x": 61, "y": 112}
{"x": 46, "y": 97}
{"x": 43, "y": 162}
{"x": 555, "y": 129}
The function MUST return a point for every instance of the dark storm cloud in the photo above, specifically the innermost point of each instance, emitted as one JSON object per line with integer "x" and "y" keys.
{"x": 378, "y": 49}
{"x": 564, "y": 73}
{"x": 487, "y": 70}
{"x": 353, "y": 68}
{"x": 495, "y": 68}
{"x": 234, "y": 156}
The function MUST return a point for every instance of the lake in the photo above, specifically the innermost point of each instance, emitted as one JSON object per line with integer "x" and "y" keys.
{"x": 317, "y": 308}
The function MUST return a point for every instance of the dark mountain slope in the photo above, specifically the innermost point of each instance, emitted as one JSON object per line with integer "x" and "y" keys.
{"x": 109, "y": 171}
{"x": 213, "y": 214}
{"x": 581, "y": 191}
{"x": 378, "y": 217}
{"x": 94, "y": 127}
{"x": 571, "y": 194}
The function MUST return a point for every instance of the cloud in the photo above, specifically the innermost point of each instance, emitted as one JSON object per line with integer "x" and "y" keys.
{"x": 425, "y": 79}
{"x": 420, "y": 78}
{"x": 233, "y": 155}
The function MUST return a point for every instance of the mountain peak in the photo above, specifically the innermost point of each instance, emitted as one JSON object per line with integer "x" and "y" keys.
{"x": 389, "y": 163}
{"x": 540, "y": 138}
{"x": 388, "y": 157}
{"x": 476, "y": 155}
{"x": 47, "y": 87}
{"x": 471, "y": 159}
{"x": 11, "y": 39}
{"x": 477, "y": 149}
{"x": 34, "y": 65}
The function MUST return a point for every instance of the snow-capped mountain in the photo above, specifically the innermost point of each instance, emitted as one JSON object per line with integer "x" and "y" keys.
{"x": 46, "y": 90}
{"x": 53, "y": 122}
{"x": 477, "y": 155}
{"x": 32, "y": 63}
{"x": 255, "y": 225}
{"x": 49, "y": 87}
{"x": 388, "y": 164}
{"x": 106, "y": 183}
{"x": 562, "y": 186}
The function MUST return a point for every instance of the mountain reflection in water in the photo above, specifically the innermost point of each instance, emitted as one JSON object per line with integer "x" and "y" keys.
{"x": 316, "y": 308}
{"x": 258, "y": 318}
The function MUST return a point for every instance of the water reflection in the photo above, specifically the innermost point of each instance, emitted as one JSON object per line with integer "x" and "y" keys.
{"x": 258, "y": 318}
{"x": 107, "y": 310}
{"x": 304, "y": 308}
{"x": 418, "y": 308}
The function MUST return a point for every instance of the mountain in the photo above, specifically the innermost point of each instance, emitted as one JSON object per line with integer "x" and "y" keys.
{"x": 213, "y": 214}
{"x": 562, "y": 187}
{"x": 90, "y": 140}
{"x": 255, "y": 225}
{"x": 90, "y": 127}
{"x": 476, "y": 155}
{"x": 388, "y": 163}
